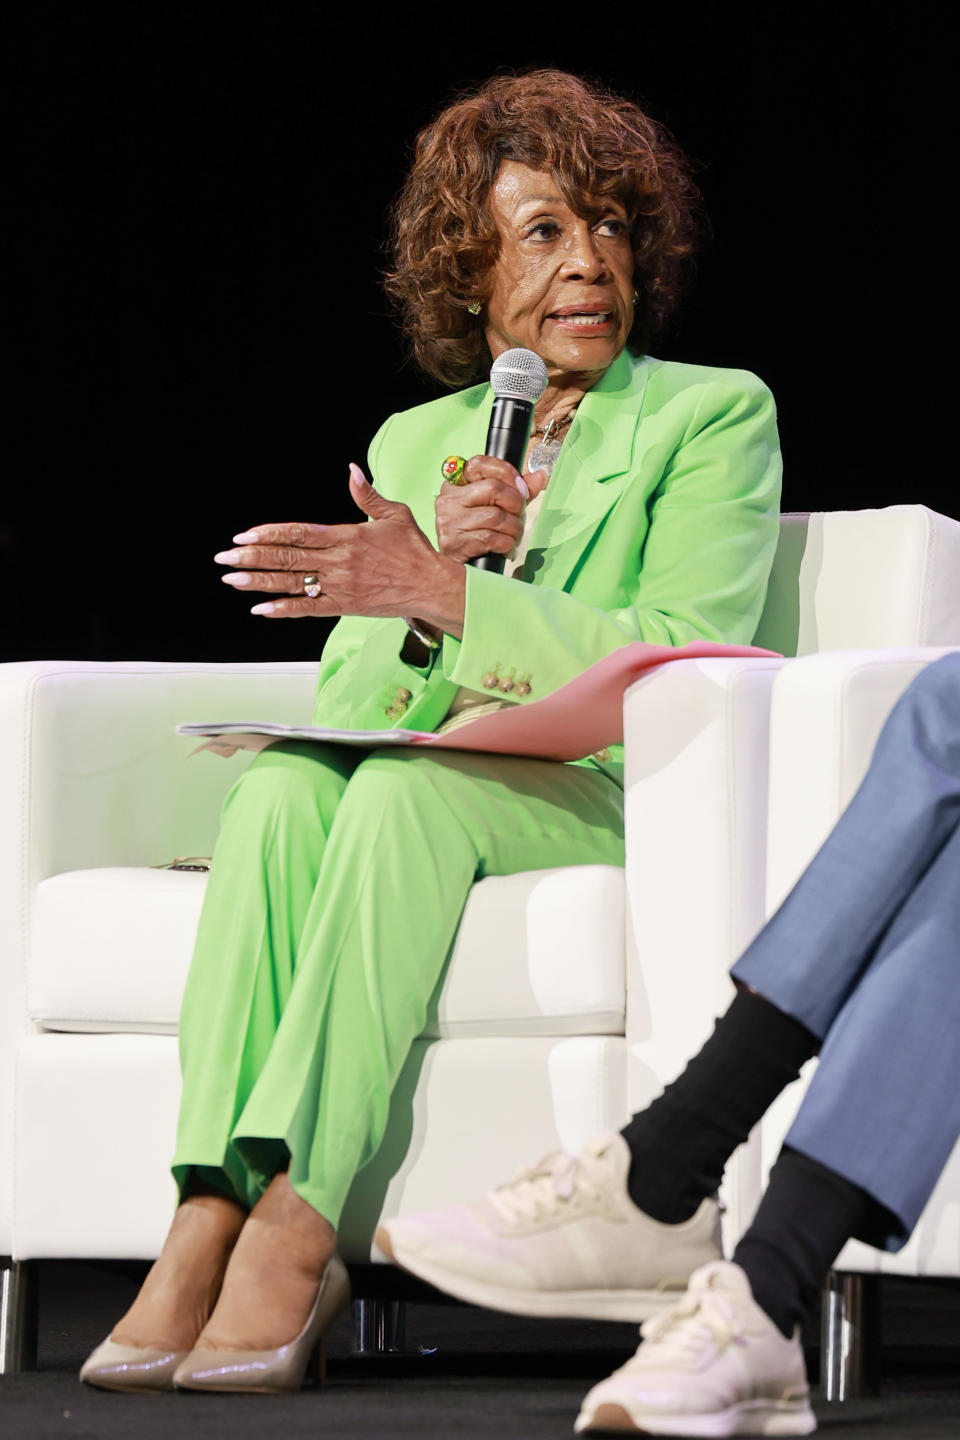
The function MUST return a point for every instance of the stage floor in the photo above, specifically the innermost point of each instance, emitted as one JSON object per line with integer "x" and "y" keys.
{"x": 490, "y": 1377}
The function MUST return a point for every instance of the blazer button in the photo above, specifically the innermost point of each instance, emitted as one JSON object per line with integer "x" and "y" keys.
{"x": 491, "y": 681}
{"x": 506, "y": 685}
{"x": 601, "y": 755}
{"x": 522, "y": 687}
{"x": 402, "y": 699}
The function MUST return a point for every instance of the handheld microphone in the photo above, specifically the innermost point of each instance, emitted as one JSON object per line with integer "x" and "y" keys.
{"x": 518, "y": 378}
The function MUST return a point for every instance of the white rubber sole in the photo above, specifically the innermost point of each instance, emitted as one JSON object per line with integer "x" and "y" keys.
{"x": 629, "y": 1305}
{"x": 752, "y": 1417}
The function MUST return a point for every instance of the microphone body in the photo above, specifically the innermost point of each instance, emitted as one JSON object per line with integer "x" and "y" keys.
{"x": 507, "y": 439}
{"x": 518, "y": 378}
{"x": 509, "y": 432}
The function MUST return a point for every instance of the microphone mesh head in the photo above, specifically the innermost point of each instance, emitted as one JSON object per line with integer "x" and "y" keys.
{"x": 518, "y": 375}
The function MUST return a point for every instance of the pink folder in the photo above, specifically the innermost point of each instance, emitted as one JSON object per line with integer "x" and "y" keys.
{"x": 579, "y": 719}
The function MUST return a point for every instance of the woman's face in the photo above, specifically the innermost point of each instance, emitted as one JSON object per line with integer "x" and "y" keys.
{"x": 562, "y": 285}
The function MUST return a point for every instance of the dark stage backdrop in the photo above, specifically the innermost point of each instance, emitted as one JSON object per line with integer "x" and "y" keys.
{"x": 196, "y": 212}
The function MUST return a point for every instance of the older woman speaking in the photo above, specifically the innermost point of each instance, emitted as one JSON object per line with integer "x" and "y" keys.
{"x": 539, "y": 213}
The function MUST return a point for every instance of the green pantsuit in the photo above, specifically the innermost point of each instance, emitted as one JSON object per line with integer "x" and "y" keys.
{"x": 340, "y": 877}
{"x": 335, "y": 893}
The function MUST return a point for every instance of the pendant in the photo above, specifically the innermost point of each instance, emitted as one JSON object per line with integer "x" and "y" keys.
{"x": 543, "y": 456}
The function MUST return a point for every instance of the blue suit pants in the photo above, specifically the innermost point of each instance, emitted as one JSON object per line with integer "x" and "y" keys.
{"x": 865, "y": 952}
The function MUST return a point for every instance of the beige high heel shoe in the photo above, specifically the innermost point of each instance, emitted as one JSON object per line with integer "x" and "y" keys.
{"x": 131, "y": 1367}
{"x": 272, "y": 1372}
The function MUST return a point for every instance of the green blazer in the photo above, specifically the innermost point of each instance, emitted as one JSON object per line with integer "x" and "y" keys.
{"x": 659, "y": 523}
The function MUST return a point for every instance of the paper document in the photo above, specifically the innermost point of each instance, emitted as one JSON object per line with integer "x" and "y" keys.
{"x": 581, "y": 718}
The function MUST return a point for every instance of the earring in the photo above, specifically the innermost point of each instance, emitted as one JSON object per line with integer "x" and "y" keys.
{"x": 474, "y": 309}
{"x": 636, "y": 298}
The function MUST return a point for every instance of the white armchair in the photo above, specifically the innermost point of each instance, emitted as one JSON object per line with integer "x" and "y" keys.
{"x": 596, "y": 995}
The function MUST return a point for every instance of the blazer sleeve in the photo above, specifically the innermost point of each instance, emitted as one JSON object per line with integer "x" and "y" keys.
{"x": 701, "y": 573}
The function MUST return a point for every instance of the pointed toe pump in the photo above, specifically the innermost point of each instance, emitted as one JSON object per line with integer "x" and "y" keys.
{"x": 272, "y": 1372}
{"x": 131, "y": 1367}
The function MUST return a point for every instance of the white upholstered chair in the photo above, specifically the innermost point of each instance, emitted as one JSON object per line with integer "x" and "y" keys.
{"x": 598, "y": 989}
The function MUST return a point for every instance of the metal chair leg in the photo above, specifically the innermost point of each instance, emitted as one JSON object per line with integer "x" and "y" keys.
{"x": 379, "y": 1327}
{"x": 18, "y": 1315}
{"x": 850, "y": 1337}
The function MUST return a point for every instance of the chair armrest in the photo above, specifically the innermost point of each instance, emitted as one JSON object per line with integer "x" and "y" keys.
{"x": 696, "y": 799}
{"x": 92, "y": 774}
{"x": 826, "y": 714}
{"x": 696, "y": 736}
{"x": 89, "y": 751}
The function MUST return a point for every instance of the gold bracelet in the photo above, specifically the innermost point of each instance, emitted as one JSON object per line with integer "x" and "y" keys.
{"x": 430, "y": 641}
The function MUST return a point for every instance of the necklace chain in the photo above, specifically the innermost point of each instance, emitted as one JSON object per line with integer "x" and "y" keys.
{"x": 552, "y": 426}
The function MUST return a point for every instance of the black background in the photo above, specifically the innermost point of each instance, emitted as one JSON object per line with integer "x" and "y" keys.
{"x": 196, "y": 210}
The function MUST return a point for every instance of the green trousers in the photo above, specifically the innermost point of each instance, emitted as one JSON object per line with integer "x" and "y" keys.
{"x": 337, "y": 885}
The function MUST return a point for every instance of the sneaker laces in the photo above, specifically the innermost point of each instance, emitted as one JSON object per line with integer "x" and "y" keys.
{"x": 685, "y": 1329}
{"x": 543, "y": 1189}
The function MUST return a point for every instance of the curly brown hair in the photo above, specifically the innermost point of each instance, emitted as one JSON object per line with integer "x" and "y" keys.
{"x": 597, "y": 146}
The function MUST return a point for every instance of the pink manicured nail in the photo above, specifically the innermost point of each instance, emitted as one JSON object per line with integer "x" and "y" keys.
{"x": 357, "y": 475}
{"x": 247, "y": 537}
{"x": 522, "y": 487}
{"x": 238, "y": 579}
{"x": 227, "y": 557}
{"x": 266, "y": 609}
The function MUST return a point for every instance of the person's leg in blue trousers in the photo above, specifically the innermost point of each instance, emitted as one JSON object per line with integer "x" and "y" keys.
{"x": 865, "y": 954}
{"x": 861, "y": 962}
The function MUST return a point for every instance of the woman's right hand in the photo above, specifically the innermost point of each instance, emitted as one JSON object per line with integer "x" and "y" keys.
{"x": 483, "y": 514}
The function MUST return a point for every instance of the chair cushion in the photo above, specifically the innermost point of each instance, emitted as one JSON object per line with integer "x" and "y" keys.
{"x": 540, "y": 953}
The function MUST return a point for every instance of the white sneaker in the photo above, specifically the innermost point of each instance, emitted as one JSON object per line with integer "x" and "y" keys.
{"x": 564, "y": 1238}
{"x": 712, "y": 1364}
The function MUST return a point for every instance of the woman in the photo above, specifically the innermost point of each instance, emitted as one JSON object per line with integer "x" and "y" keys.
{"x": 543, "y": 213}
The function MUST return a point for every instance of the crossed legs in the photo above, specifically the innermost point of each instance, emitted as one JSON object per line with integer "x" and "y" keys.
{"x": 335, "y": 894}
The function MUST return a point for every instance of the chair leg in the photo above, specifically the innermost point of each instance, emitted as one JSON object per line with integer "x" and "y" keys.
{"x": 379, "y": 1327}
{"x": 850, "y": 1337}
{"x": 18, "y": 1315}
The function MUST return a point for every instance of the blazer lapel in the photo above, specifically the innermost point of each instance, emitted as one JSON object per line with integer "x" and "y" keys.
{"x": 590, "y": 473}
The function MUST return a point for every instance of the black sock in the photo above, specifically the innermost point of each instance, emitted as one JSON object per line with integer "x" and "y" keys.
{"x": 681, "y": 1142}
{"x": 805, "y": 1217}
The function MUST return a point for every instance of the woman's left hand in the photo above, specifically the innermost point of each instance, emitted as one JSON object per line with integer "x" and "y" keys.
{"x": 385, "y": 568}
